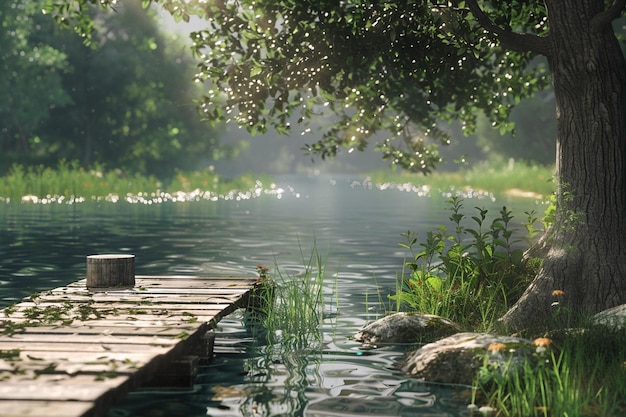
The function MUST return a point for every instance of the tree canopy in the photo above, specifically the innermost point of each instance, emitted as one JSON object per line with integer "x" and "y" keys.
{"x": 400, "y": 67}
{"x": 30, "y": 81}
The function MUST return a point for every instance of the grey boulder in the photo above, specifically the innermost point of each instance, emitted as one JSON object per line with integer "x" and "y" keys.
{"x": 458, "y": 358}
{"x": 406, "y": 328}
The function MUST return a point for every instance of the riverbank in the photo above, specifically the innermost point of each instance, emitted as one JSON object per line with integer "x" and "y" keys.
{"x": 514, "y": 179}
{"x": 69, "y": 180}
{"x": 471, "y": 274}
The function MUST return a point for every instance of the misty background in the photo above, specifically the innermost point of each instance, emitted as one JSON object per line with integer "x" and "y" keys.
{"x": 127, "y": 103}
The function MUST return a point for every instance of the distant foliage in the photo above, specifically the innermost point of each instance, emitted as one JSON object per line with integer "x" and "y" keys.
{"x": 126, "y": 101}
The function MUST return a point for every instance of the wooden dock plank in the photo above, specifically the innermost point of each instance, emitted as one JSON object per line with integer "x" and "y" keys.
{"x": 18, "y": 408}
{"x": 59, "y": 387}
{"x": 74, "y": 352}
{"x": 68, "y": 348}
{"x": 72, "y": 363}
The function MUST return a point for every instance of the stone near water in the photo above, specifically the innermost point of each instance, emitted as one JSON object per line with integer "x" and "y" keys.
{"x": 406, "y": 328}
{"x": 458, "y": 358}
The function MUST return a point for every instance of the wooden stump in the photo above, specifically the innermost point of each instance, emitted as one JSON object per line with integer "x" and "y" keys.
{"x": 110, "y": 271}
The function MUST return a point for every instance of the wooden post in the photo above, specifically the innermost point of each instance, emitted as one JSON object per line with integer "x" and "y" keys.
{"x": 110, "y": 271}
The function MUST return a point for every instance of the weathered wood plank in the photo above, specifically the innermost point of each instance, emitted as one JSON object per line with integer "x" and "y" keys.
{"x": 68, "y": 348}
{"x": 59, "y": 387}
{"x": 80, "y": 339}
{"x": 168, "y": 328}
{"x": 19, "y": 408}
{"x": 147, "y": 298}
{"x": 38, "y": 365}
{"x": 74, "y": 362}
{"x": 122, "y": 306}
{"x": 73, "y": 352}
{"x": 139, "y": 313}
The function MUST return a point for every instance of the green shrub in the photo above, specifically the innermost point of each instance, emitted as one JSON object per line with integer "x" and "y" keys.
{"x": 469, "y": 274}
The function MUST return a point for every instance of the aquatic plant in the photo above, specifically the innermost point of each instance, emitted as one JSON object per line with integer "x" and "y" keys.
{"x": 288, "y": 309}
{"x": 468, "y": 274}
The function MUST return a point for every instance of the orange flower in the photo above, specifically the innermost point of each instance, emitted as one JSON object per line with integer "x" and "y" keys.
{"x": 496, "y": 347}
{"x": 557, "y": 293}
{"x": 542, "y": 342}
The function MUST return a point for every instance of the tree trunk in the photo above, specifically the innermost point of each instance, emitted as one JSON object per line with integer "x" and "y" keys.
{"x": 587, "y": 247}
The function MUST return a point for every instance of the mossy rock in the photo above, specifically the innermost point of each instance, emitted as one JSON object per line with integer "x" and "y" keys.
{"x": 406, "y": 328}
{"x": 458, "y": 358}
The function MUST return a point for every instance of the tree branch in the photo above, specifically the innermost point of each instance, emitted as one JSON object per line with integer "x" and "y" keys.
{"x": 601, "y": 20}
{"x": 511, "y": 40}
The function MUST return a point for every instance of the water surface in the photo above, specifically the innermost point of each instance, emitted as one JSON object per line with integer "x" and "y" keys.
{"x": 353, "y": 224}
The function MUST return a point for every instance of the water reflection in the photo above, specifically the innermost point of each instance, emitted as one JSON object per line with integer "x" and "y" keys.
{"x": 355, "y": 227}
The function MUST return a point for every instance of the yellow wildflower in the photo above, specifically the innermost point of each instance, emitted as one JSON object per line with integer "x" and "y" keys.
{"x": 542, "y": 342}
{"x": 496, "y": 347}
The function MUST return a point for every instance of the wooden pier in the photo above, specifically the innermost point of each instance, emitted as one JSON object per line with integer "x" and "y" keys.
{"x": 74, "y": 351}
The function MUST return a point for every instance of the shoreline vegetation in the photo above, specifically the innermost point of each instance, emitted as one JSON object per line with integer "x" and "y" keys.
{"x": 472, "y": 274}
{"x": 514, "y": 179}
{"x": 69, "y": 182}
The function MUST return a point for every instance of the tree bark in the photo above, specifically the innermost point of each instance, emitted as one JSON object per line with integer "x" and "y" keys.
{"x": 587, "y": 255}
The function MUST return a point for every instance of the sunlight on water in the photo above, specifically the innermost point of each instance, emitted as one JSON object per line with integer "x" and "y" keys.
{"x": 239, "y": 195}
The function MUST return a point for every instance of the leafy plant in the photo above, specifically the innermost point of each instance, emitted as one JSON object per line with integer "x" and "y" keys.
{"x": 467, "y": 274}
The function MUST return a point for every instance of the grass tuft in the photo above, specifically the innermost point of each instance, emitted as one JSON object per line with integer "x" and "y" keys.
{"x": 289, "y": 309}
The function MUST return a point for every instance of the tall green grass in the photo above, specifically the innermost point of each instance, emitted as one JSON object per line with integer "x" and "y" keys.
{"x": 287, "y": 309}
{"x": 581, "y": 374}
{"x": 70, "y": 180}
{"x": 497, "y": 179}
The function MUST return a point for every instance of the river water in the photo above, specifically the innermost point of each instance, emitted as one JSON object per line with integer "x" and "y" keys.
{"x": 355, "y": 226}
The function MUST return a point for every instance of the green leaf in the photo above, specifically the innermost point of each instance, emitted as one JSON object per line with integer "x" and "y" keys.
{"x": 435, "y": 283}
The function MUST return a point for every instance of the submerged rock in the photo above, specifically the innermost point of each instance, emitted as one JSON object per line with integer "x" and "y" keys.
{"x": 405, "y": 328}
{"x": 457, "y": 359}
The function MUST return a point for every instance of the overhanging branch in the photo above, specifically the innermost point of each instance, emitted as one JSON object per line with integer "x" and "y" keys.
{"x": 601, "y": 20}
{"x": 511, "y": 40}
